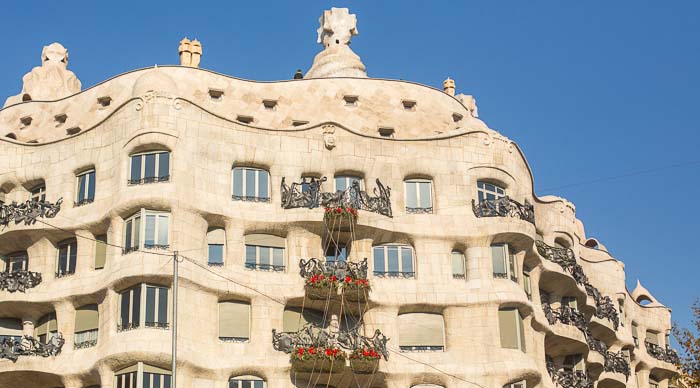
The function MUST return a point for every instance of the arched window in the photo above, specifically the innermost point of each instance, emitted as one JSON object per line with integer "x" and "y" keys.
{"x": 250, "y": 184}
{"x": 419, "y": 196}
{"x": 393, "y": 260}
{"x": 85, "y": 187}
{"x": 264, "y": 252}
{"x": 87, "y": 320}
{"x": 234, "y": 321}
{"x": 459, "y": 270}
{"x": 488, "y": 191}
{"x": 246, "y": 382}
{"x": 216, "y": 242}
{"x": 149, "y": 167}
{"x": 144, "y": 305}
{"x": 67, "y": 257}
{"x": 519, "y": 384}
{"x": 421, "y": 332}
{"x": 146, "y": 229}
{"x": 46, "y": 328}
{"x": 505, "y": 263}
{"x": 511, "y": 328}
{"x": 17, "y": 261}
{"x": 142, "y": 375}
{"x": 10, "y": 329}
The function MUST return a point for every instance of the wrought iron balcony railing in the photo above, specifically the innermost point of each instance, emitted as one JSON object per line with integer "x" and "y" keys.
{"x": 85, "y": 344}
{"x": 265, "y": 267}
{"x": 238, "y": 340}
{"x": 127, "y": 326}
{"x": 250, "y": 198}
{"x": 19, "y": 280}
{"x": 504, "y": 207}
{"x": 62, "y": 274}
{"x": 340, "y": 269}
{"x": 616, "y": 362}
{"x": 564, "y": 314}
{"x": 663, "y": 354}
{"x": 568, "y": 379}
{"x": 394, "y": 274}
{"x": 312, "y": 336}
{"x": 419, "y": 210}
{"x": 28, "y": 211}
{"x": 127, "y": 250}
{"x": 158, "y": 325}
{"x": 84, "y": 201}
{"x": 434, "y": 348}
{"x": 308, "y": 194}
{"x": 12, "y": 349}
{"x": 147, "y": 180}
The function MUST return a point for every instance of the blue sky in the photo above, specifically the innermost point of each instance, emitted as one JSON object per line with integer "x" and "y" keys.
{"x": 588, "y": 90}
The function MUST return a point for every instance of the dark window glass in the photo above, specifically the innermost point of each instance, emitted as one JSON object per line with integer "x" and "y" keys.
{"x": 136, "y": 167}
{"x": 162, "y": 305}
{"x": 150, "y": 169}
{"x": 163, "y": 164}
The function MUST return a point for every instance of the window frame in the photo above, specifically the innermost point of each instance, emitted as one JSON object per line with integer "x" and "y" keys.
{"x": 157, "y": 178}
{"x": 483, "y": 192}
{"x": 348, "y": 179}
{"x": 250, "y": 322}
{"x": 424, "y": 348}
{"x": 38, "y": 192}
{"x": 141, "y": 241}
{"x": 137, "y": 375}
{"x": 90, "y": 178}
{"x": 237, "y": 381}
{"x": 463, "y": 259}
{"x": 69, "y": 244}
{"x": 510, "y": 263}
{"x": 416, "y": 182}
{"x": 394, "y": 274}
{"x": 257, "y": 266}
{"x": 11, "y": 259}
{"x": 143, "y": 301}
{"x": 222, "y": 244}
{"x": 244, "y": 185}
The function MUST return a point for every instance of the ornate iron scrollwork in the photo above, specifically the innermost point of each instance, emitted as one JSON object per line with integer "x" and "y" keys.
{"x": 349, "y": 340}
{"x": 504, "y": 207}
{"x": 29, "y": 346}
{"x": 341, "y": 269}
{"x": 661, "y": 354}
{"x": 308, "y": 194}
{"x": 19, "y": 280}
{"x": 28, "y": 211}
{"x": 568, "y": 379}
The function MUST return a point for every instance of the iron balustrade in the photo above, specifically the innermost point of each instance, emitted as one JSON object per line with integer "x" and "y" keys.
{"x": 157, "y": 325}
{"x": 419, "y": 210}
{"x": 313, "y": 336}
{"x": 250, "y": 198}
{"x": 19, "y": 280}
{"x": 394, "y": 274}
{"x": 28, "y": 211}
{"x": 340, "y": 269}
{"x": 234, "y": 339}
{"x": 568, "y": 379}
{"x": 427, "y": 348}
{"x": 662, "y": 354}
{"x": 504, "y": 207}
{"x": 147, "y": 180}
{"x": 12, "y": 349}
{"x": 264, "y": 267}
{"x": 83, "y": 201}
{"x": 128, "y": 326}
{"x": 62, "y": 274}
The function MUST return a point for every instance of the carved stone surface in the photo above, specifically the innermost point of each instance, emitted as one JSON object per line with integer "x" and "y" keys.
{"x": 28, "y": 211}
{"x": 19, "y": 280}
{"x": 50, "y": 81}
{"x": 504, "y": 207}
{"x": 190, "y": 52}
{"x": 30, "y": 346}
{"x": 337, "y": 26}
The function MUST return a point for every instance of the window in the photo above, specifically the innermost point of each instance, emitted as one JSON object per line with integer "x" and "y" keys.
{"x": 142, "y": 375}
{"x": 488, "y": 191}
{"x": 46, "y": 328}
{"x": 85, "y": 188}
{"x": 216, "y": 238}
{"x": 505, "y": 263}
{"x": 216, "y": 94}
{"x": 350, "y": 100}
{"x": 246, "y": 382}
{"x": 344, "y": 182}
{"x": 264, "y": 252}
{"x": 38, "y": 193}
{"x": 67, "y": 255}
{"x": 421, "y": 332}
{"x": 17, "y": 261}
{"x": 621, "y": 304}
{"x": 251, "y": 184}
{"x": 10, "y": 330}
{"x": 653, "y": 383}
{"x": 652, "y": 338}
{"x": 512, "y": 331}
{"x": 569, "y": 301}
{"x": 458, "y": 265}
{"x": 270, "y": 104}
{"x": 234, "y": 321}
{"x": 150, "y": 167}
{"x": 100, "y": 251}
{"x": 573, "y": 363}
{"x": 635, "y": 335}
{"x": 335, "y": 252}
{"x": 419, "y": 196}
{"x": 527, "y": 284}
{"x": 519, "y": 384}
{"x": 153, "y": 233}
{"x": 144, "y": 305}
{"x": 393, "y": 261}
{"x": 86, "y": 326}
{"x": 294, "y": 319}
{"x": 409, "y": 105}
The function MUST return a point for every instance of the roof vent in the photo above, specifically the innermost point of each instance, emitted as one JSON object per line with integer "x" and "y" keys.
{"x": 104, "y": 101}
{"x": 409, "y": 105}
{"x": 386, "y": 132}
{"x": 244, "y": 119}
{"x": 216, "y": 94}
{"x": 26, "y": 121}
{"x": 299, "y": 123}
{"x": 270, "y": 104}
{"x": 456, "y": 117}
{"x": 60, "y": 119}
{"x": 350, "y": 100}
{"x": 72, "y": 130}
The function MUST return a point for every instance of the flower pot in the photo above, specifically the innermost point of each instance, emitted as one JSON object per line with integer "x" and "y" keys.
{"x": 318, "y": 365}
{"x": 355, "y": 294}
{"x": 364, "y": 366}
{"x": 321, "y": 292}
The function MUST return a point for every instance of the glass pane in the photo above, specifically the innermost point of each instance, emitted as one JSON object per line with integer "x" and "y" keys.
{"x": 481, "y": 196}
{"x": 411, "y": 195}
{"x": 278, "y": 257}
{"x": 457, "y": 263}
{"x": 490, "y": 187}
{"x": 125, "y": 308}
{"x": 340, "y": 183}
{"x": 480, "y": 185}
{"x": 378, "y": 259}
{"x": 163, "y": 164}
{"x": 135, "y": 168}
{"x": 128, "y": 381}
{"x": 166, "y": 381}
{"x": 150, "y": 237}
{"x": 216, "y": 253}
{"x": 91, "y": 186}
{"x": 162, "y": 305}
{"x": 163, "y": 230}
{"x": 392, "y": 254}
{"x": 250, "y": 251}
{"x": 156, "y": 379}
{"x": 150, "y": 304}
{"x": 137, "y": 232}
{"x": 62, "y": 258}
{"x": 72, "y": 255}
{"x": 147, "y": 380}
{"x": 263, "y": 190}
{"x": 250, "y": 183}
{"x": 246, "y": 384}
{"x": 81, "y": 187}
{"x": 406, "y": 259}
{"x": 136, "y": 305}
{"x": 150, "y": 170}
{"x": 425, "y": 201}
{"x": 238, "y": 182}
{"x": 258, "y": 384}
{"x": 498, "y": 258}
{"x": 264, "y": 255}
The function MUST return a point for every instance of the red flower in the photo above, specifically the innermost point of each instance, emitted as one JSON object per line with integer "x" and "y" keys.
{"x": 312, "y": 350}
{"x": 335, "y": 351}
{"x": 365, "y": 352}
{"x": 348, "y": 279}
{"x": 334, "y": 278}
{"x": 300, "y": 351}
{"x": 338, "y": 210}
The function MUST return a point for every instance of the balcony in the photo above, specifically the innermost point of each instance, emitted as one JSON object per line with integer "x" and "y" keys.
{"x": 504, "y": 207}
{"x": 324, "y": 279}
{"x": 19, "y": 280}
{"x": 148, "y": 180}
{"x": 64, "y": 273}
{"x": 568, "y": 379}
{"x": 564, "y": 314}
{"x": 662, "y": 354}
{"x": 308, "y": 194}
{"x": 85, "y": 339}
{"x": 264, "y": 267}
{"x": 12, "y": 349}
{"x": 28, "y": 211}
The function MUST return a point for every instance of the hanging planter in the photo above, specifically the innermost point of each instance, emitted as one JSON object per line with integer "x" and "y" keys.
{"x": 340, "y": 218}
{"x": 355, "y": 290}
{"x": 364, "y": 361}
{"x": 318, "y": 360}
{"x": 321, "y": 287}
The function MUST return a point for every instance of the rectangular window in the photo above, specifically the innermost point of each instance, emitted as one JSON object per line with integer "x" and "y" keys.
{"x": 85, "y": 190}
{"x": 458, "y": 266}
{"x": 505, "y": 263}
{"x": 335, "y": 253}
{"x": 67, "y": 257}
{"x": 250, "y": 184}
{"x": 343, "y": 183}
{"x": 100, "y": 251}
{"x": 264, "y": 252}
{"x": 150, "y": 167}
{"x": 246, "y": 383}
{"x": 144, "y": 306}
{"x": 527, "y": 284}
{"x": 216, "y": 254}
{"x": 16, "y": 262}
{"x": 511, "y": 329}
{"x": 153, "y": 232}
{"x": 38, "y": 193}
{"x": 489, "y": 191}
{"x": 419, "y": 196}
{"x": 234, "y": 321}
{"x": 393, "y": 261}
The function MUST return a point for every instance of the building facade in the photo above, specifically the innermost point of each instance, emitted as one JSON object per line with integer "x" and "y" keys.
{"x": 330, "y": 230}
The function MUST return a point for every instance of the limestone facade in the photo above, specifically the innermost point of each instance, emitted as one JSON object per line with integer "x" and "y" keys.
{"x": 210, "y": 124}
